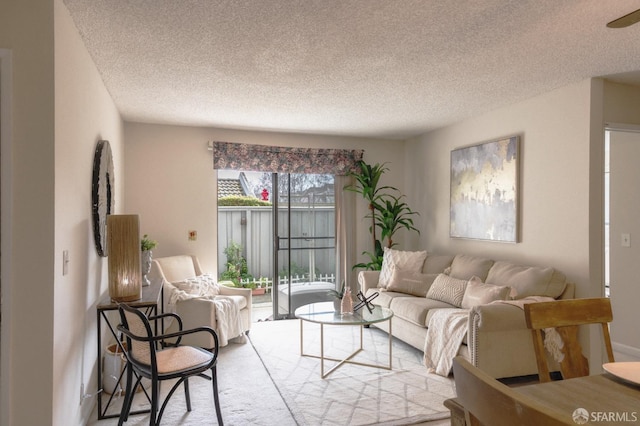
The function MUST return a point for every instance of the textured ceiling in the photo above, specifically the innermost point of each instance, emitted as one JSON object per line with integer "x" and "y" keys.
{"x": 374, "y": 68}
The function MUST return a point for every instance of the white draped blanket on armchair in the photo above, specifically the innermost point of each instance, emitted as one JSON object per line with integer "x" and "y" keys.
{"x": 199, "y": 301}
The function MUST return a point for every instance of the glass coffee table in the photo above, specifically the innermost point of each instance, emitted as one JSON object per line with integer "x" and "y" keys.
{"x": 323, "y": 313}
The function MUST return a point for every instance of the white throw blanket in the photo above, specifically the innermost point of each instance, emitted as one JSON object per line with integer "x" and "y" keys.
{"x": 228, "y": 321}
{"x": 445, "y": 332}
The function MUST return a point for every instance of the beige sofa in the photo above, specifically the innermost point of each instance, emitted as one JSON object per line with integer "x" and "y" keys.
{"x": 497, "y": 340}
{"x": 195, "y": 312}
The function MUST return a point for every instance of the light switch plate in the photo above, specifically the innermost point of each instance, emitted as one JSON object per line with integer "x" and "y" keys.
{"x": 65, "y": 262}
{"x": 625, "y": 240}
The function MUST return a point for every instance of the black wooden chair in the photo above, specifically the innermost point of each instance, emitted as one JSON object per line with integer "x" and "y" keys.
{"x": 173, "y": 362}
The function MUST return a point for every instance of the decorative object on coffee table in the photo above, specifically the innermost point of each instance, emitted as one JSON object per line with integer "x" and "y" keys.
{"x": 337, "y": 297}
{"x": 123, "y": 242}
{"x": 346, "y": 306}
{"x": 365, "y": 301}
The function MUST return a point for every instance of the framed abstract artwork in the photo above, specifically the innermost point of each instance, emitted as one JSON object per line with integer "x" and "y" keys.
{"x": 484, "y": 191}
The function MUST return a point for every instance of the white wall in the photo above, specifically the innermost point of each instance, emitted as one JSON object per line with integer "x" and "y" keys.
{"x": 26, "y": 28}
{"x": 560, "y": 193}
{"x": 624, "y": 213}
{"x": 621, "y": 103}
{"x": 85, "y": 113}
{"x": 171, "y": 183}
{"x": 554, "y": 185}
{"x": 622, "y": 106}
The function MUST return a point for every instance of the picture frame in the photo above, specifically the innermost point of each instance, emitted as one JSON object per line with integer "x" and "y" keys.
{"x": 484, "y": 192}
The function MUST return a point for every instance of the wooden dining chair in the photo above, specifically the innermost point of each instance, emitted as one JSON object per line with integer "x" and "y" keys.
{"x": 488, "y": 402}
{"x": 565, "y": 316}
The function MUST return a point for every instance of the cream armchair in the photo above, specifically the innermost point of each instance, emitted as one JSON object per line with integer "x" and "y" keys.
{"x": 196, "y": 311}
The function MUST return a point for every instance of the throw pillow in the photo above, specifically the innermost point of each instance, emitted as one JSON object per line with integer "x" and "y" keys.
{"x": 478, "y": 293}
{"x": 203, "y": 285}
{"x": 410, "y": 261}
{"x": 413, "y": 283}
{"x": 464, "y": 267}
{"x": 447, "y": 289}
{"x": 527, "y": 280}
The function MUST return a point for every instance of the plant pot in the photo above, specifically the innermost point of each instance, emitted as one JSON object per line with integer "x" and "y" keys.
{"x": 112, "y": 368}
{"x": 258, "y": 291}
{"x": 145, "y": 264}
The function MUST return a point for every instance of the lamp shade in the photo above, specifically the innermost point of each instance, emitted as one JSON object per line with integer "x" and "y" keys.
{"x": 123, "y": 246}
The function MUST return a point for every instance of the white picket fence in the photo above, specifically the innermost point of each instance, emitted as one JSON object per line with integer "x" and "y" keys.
{"x": 282, "y": 280}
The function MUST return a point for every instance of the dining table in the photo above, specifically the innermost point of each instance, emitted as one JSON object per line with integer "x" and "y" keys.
{"x": 602, "y": 399}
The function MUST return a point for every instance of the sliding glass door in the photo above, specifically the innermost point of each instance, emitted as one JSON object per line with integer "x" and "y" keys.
{"x": 304, "y": 240}
{"x": 276, "y": 235}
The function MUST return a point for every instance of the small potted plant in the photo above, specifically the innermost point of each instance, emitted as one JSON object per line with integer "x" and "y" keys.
{"x": 237, "y": 271}
{"x": 337, "y": 297}
{"x": 146, "y": 245}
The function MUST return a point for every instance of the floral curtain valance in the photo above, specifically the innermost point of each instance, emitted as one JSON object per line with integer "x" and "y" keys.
{"x": 276, "y": 159}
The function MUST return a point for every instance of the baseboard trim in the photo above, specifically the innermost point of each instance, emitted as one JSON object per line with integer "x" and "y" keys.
{"x": 628, "y": 353}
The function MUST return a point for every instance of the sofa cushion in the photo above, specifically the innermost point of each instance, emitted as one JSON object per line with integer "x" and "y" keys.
{"x": 410, "y": 261}
{"x": 479, "y": 293}
{"x": 413, "y": 283}
{"x": 464, "y": 267}
{"x": 437, "y": 263}
{"x": 527, "y": 280}
{"x": 447, "y": 289}
{"x": 384, "y": 297}
{"x": 416, "y": 309}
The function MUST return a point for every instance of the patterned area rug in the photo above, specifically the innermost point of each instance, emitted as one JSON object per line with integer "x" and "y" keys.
{"x": 352, "y": 394}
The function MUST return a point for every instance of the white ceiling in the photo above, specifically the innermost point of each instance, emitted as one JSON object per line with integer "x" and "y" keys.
{"x": 375, "y": 68}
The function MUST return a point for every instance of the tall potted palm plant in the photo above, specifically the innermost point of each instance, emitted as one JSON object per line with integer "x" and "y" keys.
{"x": 387, "y": 211}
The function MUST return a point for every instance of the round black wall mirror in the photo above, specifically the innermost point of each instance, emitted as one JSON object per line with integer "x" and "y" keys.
{"x": 102, "y": 195}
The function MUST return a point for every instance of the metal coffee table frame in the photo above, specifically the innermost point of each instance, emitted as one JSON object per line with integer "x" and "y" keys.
{"x": 324, "y": 314}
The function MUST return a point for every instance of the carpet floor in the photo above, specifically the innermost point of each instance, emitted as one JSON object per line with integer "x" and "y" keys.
{"x": 266, "y": 382}
{"x": 352, "y": 394}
